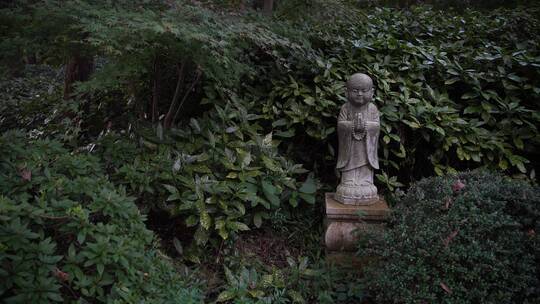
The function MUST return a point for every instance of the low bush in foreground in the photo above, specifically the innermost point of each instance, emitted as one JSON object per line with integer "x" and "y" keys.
{"x": 68, "y": 235}
{"x": 470, "y": 238}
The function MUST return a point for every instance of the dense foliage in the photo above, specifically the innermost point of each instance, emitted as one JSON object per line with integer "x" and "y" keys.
{"x": 67, "y": 234}
{"x": 454, "y": 4}
{"x": 469, "y": 238}
{"x": 298, "y": 282}
{"x": 219, "y": 122}
{"x": 219, "y": 173}
{"x": 458, "y": 89}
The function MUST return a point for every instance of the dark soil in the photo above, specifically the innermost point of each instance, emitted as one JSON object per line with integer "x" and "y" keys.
{"x": 167, "y": 228}
{"x": 268, "y": 247}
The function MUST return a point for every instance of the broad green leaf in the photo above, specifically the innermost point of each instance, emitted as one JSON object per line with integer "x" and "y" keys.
{"x": 279, "y": 123}
{"x": 451, "y": 80}
{"x": 256, "y": 293}
{"x": 171, "y": 189}
{"x": 232, "y": 175}
{"x": 206, "y": 220}
{"x": 195, "y": 125}
{"x": 270, "y": 192}
{"x": 309, "y": 198}
{"x": 412, "y": 124}
{"x": 519, "y": 143}
{"x": 257, "y": 219}
{"x": 270, "y": 164}
{"x": 239, "y": 226}
{"x": 514, "y": 77}
{"x": 231, "y": 279}
{"x": 225, "y": 296}
{"x": 293, "y": 200}
{"x": 178, "y": 246}
{"x": 309, "y": 186}
{"x": 469, "y": 95}
{"x": 191, "y": 221}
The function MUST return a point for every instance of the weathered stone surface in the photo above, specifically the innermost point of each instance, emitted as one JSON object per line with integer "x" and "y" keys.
{"x": 374, "y": 212}
{"x": 355, "y": 208}
{"x": 346, "y": 223}
{"x": 358, "y": 136}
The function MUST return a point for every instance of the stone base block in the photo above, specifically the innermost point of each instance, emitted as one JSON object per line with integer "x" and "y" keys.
{"x": 356, "y": 195}
{"x": 346, "y": 223}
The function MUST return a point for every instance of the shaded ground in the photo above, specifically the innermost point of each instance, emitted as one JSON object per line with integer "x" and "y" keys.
{"x": 168, "y": 228}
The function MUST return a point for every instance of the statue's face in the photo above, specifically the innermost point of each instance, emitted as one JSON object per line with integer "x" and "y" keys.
{"x": 360, "y": 92}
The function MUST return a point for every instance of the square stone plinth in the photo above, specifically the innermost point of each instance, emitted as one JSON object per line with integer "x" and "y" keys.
{"x": 346, "y": 223}
{"x": 377, "y": 211}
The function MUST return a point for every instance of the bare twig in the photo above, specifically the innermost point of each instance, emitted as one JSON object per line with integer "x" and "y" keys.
{"x": 168, "y": 118}
{"x": 155, "y": 91}
{"x": 50, "y": 217}
{"x": 195, "y": 81}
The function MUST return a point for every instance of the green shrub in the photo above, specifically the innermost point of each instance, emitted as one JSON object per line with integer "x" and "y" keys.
{"x": 218, "y": 172}
{"x": 27, "y": 99}
{"x": 470, "y": 238}
{"x": 458, "y": 89}
{"x": 455, "y": 89}
{"x": 298, "y": 282}
{"x": 447, "y": 4}
{"x": 69, "y": 235}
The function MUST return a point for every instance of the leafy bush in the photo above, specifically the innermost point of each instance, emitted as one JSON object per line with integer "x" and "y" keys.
{"x": 284, "y": 264}
{"x": 26, "y": 99}
{"x": 456, "y": 89}
{"x": 219, "y": 172}
{"x": 299, "y": 282}
{"x": 67, "y": 234}
{"x": 470, "y": 238}
{"x": 454, "y": 4}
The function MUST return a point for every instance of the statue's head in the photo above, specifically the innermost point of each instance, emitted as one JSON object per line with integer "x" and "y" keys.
{"x": 360, "y": 89}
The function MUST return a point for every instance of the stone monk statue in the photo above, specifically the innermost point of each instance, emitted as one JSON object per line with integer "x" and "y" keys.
{"x": 358, "y": 135}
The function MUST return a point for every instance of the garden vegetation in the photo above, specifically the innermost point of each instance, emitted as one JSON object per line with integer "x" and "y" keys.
{"x": 178, "y": 151}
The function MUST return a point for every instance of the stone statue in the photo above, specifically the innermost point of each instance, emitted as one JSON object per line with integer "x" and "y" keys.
{"x": 358, "y": 135}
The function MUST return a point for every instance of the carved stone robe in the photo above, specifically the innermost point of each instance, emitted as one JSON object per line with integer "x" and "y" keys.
{"x": 356, "y": 154}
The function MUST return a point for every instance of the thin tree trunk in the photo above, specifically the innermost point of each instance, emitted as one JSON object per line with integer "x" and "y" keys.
{"x": 79, "y": 68}
{"x": 169, "y": 117}
{"x": 195, "y": 81}
{"x": 155, "y": 91}
{"x": 268, "y": 7}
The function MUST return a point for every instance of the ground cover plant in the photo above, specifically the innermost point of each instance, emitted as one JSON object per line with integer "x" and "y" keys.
{"x": 217, "y": 123}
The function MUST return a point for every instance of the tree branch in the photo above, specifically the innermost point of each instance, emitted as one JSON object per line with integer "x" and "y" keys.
{"x": 195, "y": 81}
{"x": 168, "y": 118}
{"x": 155, "y": 91}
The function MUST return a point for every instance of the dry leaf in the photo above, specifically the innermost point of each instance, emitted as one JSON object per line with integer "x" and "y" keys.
{"x": 447, "y": 203}
{"x": 446, "y": 288}
{"x": 62, "y": 276}
{"x": 26, "y": 174}
{"x": 458, "y": 185}
{"x": 450, "y": 238}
